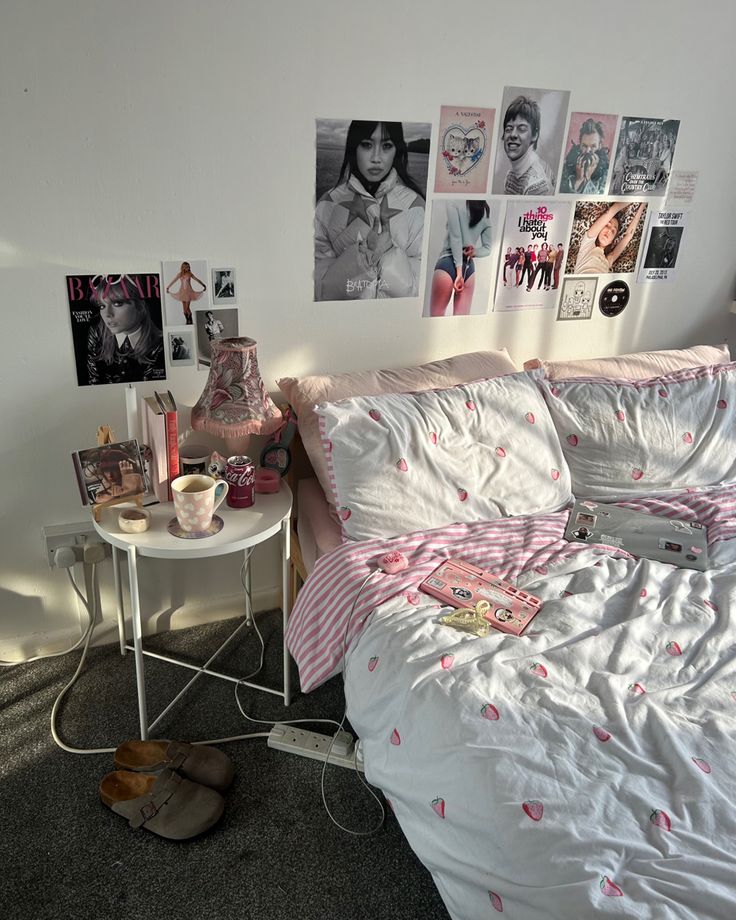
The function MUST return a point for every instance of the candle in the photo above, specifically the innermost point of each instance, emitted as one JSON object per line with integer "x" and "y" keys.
{"x": 131, "y": 411}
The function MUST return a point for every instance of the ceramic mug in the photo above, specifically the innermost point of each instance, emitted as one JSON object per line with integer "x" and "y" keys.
{"x": 195, "y": 499}
{"x": 194, "y": 458}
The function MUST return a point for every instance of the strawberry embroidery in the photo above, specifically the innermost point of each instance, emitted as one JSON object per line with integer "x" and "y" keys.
{"x": 702, "y": 764}
{"x": 343, "y": 512}
{"x": 609, "y": 888}
{"x": 374, "y": 414}
{"x": 373, "y": 663}
{"x": 496, "y": 901}
{"x": 438, "y": 805}
{"x": 601, "y": 734}
{"x": 395, "y": 738}
{"x": 661, "y": 819}
{"x": 402, "y": 465}
{"x": 538, "y": 669}
{"x": 620, "y": 415}
{"x": 636, "y": 473}
{"x": 672, "y": 648}
{"x": 413, "y": 598}
{"x": 721, "y": 404}
{"x": 470, "y": 405}
{"x": 500, "y": 451}
{"x": 533, "y": 809}
{"x": 636, "y": 689}
{"x": 555, "y": 474}
{"x": 433, "y": 437}
{"x": 572, "y": 440}
{"x": 643, "y": 592}
{"x": 447, "y": 661}
{"x": 530, "y": 418}
{"x": 462, "y": 495}
{"x": 489, "y": 711}
{"x": 687, "y": 437}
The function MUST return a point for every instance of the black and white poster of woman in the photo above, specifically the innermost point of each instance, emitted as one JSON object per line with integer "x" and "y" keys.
{"x": 371, "y": 183}
{"x": 531, "y": 128}
{"x": 116, "y": 328}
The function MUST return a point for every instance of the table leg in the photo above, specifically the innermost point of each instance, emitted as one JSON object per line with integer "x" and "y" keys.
{"x": 285, "y": 597}
{"x": 135, "y": 609}
{"x": 119, "y": 597}
{"x": 247, "y": 585}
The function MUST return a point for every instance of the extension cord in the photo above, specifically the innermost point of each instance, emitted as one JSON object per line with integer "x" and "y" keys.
{"x": 311, "y": 744}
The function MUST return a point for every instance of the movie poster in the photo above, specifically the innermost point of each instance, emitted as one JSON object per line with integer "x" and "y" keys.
{"x": 605, "y": 237}
{"x": 644, "y": 154}
{"x": 532, "y": 254}
{"x": 463, "y": 241}
{"x": 531, "y": 131}
{"x": 371, "y": 186}
{"x": 662, "y": 246}
{"x": 464, "y": 150}
{"x": 588, "y": 151}
{"x": 116, "y": 328}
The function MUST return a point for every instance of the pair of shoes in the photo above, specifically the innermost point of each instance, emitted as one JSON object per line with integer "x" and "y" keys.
{"x": 171, "y": 788}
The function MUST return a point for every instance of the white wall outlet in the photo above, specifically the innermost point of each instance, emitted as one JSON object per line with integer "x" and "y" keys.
{"x": 57, "y": 535}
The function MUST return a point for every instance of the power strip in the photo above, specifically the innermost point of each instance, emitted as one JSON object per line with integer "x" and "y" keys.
{"x": 311, "y": 744}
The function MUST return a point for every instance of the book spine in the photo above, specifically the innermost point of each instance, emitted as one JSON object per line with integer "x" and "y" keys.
{"x": 172, "y": 448}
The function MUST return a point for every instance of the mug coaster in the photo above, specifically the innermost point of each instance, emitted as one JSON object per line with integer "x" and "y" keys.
{"x": 175, "y": 529}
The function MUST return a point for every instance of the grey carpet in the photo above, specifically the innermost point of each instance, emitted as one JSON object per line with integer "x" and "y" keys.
{"x": 274, "y": 854}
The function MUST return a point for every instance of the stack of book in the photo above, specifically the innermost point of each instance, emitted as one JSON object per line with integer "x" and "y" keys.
{"x": 161, "y": 433}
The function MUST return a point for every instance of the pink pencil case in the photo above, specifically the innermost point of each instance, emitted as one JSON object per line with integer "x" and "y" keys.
{"x": 461, "y": 584}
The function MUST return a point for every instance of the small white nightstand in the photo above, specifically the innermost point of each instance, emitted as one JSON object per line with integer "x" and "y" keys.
{"x": 244, "y": 528}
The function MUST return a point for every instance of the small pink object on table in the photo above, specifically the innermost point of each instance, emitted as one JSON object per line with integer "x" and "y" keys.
{"x": 267, "y": 481}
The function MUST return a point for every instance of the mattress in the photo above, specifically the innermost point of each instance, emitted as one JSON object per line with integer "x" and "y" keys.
{"x": 318, "y": 530}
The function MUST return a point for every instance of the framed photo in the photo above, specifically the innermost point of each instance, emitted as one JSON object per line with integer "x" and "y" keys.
{"x": 181, "y": 348}
{"x": 224, "y": 290}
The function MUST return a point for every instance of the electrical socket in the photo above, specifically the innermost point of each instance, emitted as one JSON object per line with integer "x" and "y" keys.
{"x": 58, "y": 535}
{"x": 311, "y": 744}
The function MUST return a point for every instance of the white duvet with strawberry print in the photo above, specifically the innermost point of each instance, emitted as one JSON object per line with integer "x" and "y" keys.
{"x": 587, "y": 769}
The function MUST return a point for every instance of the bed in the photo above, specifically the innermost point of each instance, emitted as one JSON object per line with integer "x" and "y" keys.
{"x": 587, "y": 767}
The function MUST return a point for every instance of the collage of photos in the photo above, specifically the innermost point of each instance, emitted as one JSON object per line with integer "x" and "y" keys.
{"x": 584, "y": 177}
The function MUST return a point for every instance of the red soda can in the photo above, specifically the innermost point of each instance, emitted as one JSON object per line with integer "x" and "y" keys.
{"x": 240, "y": 475}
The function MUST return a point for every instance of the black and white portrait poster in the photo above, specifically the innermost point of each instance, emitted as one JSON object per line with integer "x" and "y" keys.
{"x": 181, "y": 348}
{"x": 210, "y": 325}
{"x": 577, "y": 298}
{"x": 532, "y": 256}
{"x": 371, "y": 184}
{"x": 223, "y": 286}
{"x": 605, "y": 237}
{"x": 116, "y": 328}
{"x": 531, "y": 129}
{"x": 463, "y": 242}
{"x": 662, "y": 246}
{"x": 644, "y": 154}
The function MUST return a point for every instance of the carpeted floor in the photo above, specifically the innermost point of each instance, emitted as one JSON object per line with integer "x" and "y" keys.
{"x": 274, "y": 854}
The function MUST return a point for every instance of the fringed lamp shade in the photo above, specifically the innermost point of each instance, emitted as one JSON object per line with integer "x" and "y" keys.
{"x": 235, "y": 403}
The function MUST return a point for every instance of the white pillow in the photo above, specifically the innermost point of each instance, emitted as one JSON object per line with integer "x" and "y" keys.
{"x": 415, "y": 461}
{"x": 625, "y": 438}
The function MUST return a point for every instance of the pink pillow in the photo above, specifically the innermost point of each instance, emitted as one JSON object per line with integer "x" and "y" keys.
{"x": 304, "y": 393}
{"x": 638, "y": 366}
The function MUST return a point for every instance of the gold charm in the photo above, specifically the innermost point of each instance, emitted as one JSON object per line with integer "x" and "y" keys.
{"x": 470, "y": 619}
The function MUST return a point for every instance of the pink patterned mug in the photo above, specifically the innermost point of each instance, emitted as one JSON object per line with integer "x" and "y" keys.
{"x": 195, "y": 499}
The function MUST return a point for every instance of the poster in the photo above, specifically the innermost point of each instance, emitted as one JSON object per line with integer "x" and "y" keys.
{"x": 371, "y": 185}
{"x": 210, "y": 325}
{"x": 586, "y": 164}
{"x": 662, "y": 246}
{"x": 116, "y": 328}
{"x": 464, "y": 149}
{"x": 532, "y": 127}
{"x": 605, "y": 237}
{"x": 463, "y": 238}
{"x": 646, "y": 147}
{"x": 577, "y": 298}
{"x": 532, "y": 254}
{"x": 185, "y": 288}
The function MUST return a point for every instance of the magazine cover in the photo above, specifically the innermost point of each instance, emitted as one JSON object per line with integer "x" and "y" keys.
{"x": 532, "y": 254}
{"x": 116, "y": 328}
{"x": 585, "y": 168}
{"x": 646, "y": 147}
{"x": 662, "y": 246}
{"x": 463, "y": 237}
{"x": 371, "y": 185}
{"x": 185, "y": 288}
{"x": 464, "y": 150}
{"x": 109, "y": 471}
{"x": 605, "y": 237}
{"x": 531, "y": 136}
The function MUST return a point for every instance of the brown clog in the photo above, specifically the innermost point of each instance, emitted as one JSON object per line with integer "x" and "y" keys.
{"x": 197, "y": 762}
{"x": 166, "y": 804}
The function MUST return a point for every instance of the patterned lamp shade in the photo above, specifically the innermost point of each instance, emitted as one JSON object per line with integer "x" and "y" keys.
{"x": 235, "y": 403}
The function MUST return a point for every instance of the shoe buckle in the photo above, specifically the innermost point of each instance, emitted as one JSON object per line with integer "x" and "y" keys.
{"x": 148, "y": 811}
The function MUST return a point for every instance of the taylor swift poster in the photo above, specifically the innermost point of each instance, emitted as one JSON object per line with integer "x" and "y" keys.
{"x": 371, "y": 184}
{"x": 185, "y": 288}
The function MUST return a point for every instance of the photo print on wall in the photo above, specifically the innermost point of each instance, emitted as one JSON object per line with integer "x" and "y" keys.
{"x": 585, "y": 168}
{"x": 577, "y": 298}
{"x": 462, "y": 236}
{"x": 224, "y": 290}
{"x": 644, "y": 154}
{"x": 532, "y": 254}
{"x": 662, "y": 246}
{"x": 116, "y": 328}
{"x": 181, "y": 348}
{"x": 210, "y": 325}
{"x": 464, "y": 150}
{"x": 185, "y": 283}
{"x": 531, "y": 131}
{"x": 605, "y": 237}
{"x": 371, "y": 182}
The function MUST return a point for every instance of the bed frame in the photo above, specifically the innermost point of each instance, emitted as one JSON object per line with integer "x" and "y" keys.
{"x": 300, "y": 468}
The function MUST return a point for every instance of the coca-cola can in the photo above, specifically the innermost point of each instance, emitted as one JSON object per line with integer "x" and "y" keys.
{"x": 240, "y": 475}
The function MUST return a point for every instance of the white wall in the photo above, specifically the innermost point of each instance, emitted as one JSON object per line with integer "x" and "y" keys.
{"x": 139, "y": 131}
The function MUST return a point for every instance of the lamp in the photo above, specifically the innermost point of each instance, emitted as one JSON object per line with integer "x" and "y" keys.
{"x": 235, "y": 404}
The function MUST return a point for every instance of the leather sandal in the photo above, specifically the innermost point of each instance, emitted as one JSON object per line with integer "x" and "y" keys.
{"x": 166, "y": 804}
{"x": 197, "y": 762}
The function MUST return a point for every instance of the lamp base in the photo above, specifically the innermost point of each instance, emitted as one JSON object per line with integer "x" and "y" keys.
{"x": 237, "y": 446}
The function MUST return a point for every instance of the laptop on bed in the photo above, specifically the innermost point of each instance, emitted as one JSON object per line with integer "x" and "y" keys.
{"x": 681, "y": 543}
